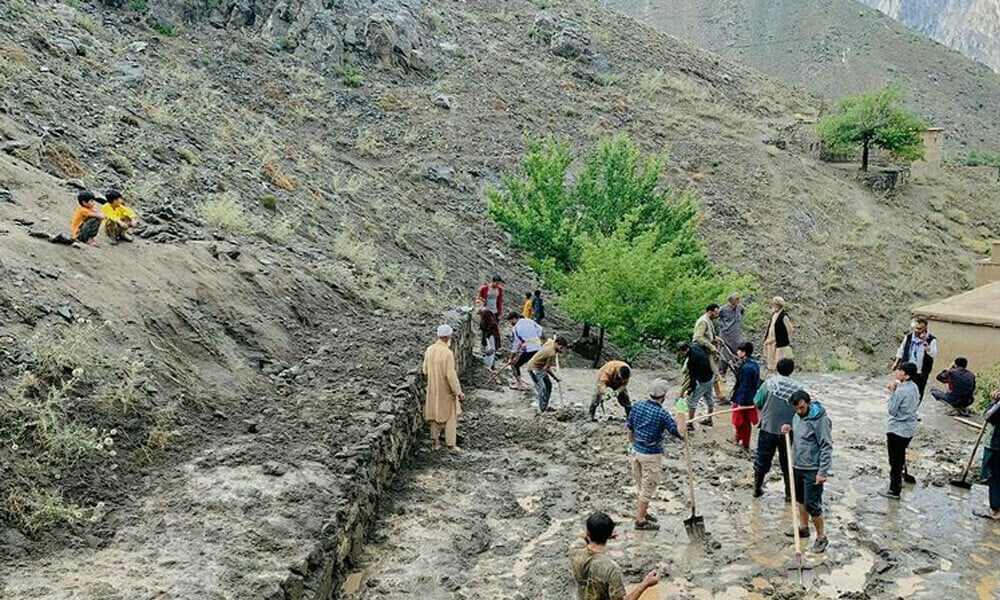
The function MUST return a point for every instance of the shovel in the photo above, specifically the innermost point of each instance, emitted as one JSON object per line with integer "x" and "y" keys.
{"x": 559, "y": 383}
{"x": 695, "y": 525}
{"x": 962, "y": 483}
{"x": 795, "y": 509}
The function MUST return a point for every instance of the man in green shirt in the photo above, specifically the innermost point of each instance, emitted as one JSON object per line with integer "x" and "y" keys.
{"x": 597, "y": 576}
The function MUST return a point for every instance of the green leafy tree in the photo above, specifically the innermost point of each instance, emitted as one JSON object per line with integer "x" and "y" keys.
{"x": 874, "y": 119}
{"x": 644, "y": 292}
{"x": 536, "y": 209}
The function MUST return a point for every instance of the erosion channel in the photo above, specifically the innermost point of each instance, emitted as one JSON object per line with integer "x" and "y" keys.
{"x": 496, "y": 520}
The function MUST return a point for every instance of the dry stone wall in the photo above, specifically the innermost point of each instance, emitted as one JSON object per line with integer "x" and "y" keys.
{"x": 370, "y": 465}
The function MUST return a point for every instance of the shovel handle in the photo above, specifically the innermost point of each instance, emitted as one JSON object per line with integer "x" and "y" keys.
{"x": 795, "y": 502}
{"x": 690, "y": 472}
{"x": 720, "y": 413}
{"x": 972, "y": 457}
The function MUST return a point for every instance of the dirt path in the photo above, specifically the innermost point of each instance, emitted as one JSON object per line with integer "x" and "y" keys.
{"x": 496, "y": 521}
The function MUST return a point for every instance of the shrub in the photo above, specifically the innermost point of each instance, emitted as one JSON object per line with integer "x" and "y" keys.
{"x": 349, "y": 75}
{"x": 270, "y": 203}
{"x": 165, "y": 29}
{"x": 987, "y": 380}
{"x": 226, "y": 213}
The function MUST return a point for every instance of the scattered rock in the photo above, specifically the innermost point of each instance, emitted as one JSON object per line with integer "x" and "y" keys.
{"x": 442, "y": 101}
{"x": 76, "y": 183}
{"x": 274, "y": 468}
{"x": 438, "y": 173}
{"x": 128, "y": 73}
{"x": 7, "y": 196}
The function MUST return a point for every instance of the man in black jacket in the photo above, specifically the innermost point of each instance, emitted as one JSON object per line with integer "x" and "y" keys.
{"x": 961, "y": 387}
{"x": 698, "y": 380}
{"x": 920, "y": 348}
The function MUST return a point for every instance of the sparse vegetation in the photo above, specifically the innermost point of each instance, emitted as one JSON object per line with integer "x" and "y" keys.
{"x": 349, "y": 75}
{"x": 270, "y": 202}
{"x": 165, "y": 29}
{"x": 226, "y": 213}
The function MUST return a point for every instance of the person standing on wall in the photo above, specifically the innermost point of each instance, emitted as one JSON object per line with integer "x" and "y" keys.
{"x": 538, "y": 307}
{"x": 491, "y": 296}
{"x": 444, "y": 397}
{"x": 920, "y": 348}
{"x": 778, "y": 342}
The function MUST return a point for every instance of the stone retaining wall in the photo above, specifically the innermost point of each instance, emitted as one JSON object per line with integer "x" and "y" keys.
{"x": 370, "y": 465}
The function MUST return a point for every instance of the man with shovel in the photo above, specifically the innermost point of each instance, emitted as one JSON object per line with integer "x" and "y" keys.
{"x": 647, "y": 422}
{"x": 773, "y": 399}
{"x": 812, "y": 458}
{"x": 991, "y": 457}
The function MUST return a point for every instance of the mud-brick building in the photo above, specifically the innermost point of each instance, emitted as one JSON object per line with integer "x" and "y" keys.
{"x": 969, "y": 324}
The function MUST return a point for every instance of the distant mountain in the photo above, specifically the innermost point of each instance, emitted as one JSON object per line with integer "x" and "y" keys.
{"x": 837, "y": 47}
{"x": 970, "y": 26}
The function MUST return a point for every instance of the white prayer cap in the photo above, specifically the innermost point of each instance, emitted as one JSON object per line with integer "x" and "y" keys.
{"x": 444, "y": 331}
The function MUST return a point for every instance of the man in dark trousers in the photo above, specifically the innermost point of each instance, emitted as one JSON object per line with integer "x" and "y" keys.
{"x": 773, "y": 399}
{"x": 961, "y": 387}
{"x": 699, "y": 380}
{"x": 901, "y": 426}
{"x": 812, "y": 458}
{"x": 490, "y": 298}
{"x": 920, "y": 348}
{"x": 538, "y": 307}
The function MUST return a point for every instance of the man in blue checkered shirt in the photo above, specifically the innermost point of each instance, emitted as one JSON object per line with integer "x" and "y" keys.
{"x": 647, "y": 423}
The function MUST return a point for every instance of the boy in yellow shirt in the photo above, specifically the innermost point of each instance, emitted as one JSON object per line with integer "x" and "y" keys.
{"x": 118, "y": 218}
{"x": 527, "y": 310}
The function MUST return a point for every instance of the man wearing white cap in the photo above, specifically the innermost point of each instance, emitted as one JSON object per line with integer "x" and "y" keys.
{"x": 444, "y": 392}
{"x": 648, "y": 421}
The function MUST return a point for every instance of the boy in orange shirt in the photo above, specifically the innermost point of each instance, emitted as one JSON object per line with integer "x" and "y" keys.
{"x": 86, "y": 223}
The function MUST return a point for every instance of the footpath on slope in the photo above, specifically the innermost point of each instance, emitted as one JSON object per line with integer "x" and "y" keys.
{"x": 496, "y": 521}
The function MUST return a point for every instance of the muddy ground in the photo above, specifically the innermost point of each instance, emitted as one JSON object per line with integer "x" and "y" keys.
{"x": 496, "y": 521}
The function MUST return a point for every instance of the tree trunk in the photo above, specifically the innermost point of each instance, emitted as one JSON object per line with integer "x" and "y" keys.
{"x": 864, "y": 154}
{"x": 600, "y": 348}
{"x": 586, "y": 330}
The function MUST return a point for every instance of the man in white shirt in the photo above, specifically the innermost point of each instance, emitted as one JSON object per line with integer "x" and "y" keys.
{"x": 526, "y": 340}
{"x": 920, "y": 348}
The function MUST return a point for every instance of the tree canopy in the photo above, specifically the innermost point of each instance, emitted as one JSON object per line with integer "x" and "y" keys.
{"x": 621, "y": 248}
{"x": 874, "y": 119}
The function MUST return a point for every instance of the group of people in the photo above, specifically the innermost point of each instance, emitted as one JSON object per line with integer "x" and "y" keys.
{"x": 92, "y": 212}
{"x": 769, "y": 397}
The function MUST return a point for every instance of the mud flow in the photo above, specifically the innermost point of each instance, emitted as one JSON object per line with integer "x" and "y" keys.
{"x": 496, "y": 521}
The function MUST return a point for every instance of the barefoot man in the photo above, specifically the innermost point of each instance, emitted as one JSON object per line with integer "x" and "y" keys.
{"x": 444, "y": 392}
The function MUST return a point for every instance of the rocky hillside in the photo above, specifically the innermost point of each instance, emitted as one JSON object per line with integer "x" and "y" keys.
{"x": 840, "y": 47}
{"x": 312, "y": 180}
{"x": 970, "y": 26}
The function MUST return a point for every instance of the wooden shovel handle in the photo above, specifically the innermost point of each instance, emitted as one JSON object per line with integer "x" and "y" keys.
{"x": 720, "y": 413}
{"x": 791, "y": 486}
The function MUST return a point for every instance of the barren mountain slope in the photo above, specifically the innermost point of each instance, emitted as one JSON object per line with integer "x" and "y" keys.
{"x": 313, "y": 179}
{"x": 840, "y": 47}
{"x": 970, "y": 26}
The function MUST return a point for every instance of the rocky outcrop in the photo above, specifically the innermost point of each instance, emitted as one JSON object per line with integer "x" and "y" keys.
{"x": 326, "y": 32}
{"x": 371, "y": 465}
{"x": 970, "y": 26}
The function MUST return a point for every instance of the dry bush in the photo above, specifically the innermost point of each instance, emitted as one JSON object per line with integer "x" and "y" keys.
{"x": 273, "y": 174}
{"x": 361, "y": 253}
{"x": 226, "y": 213}
{"x": 65, "y": 160}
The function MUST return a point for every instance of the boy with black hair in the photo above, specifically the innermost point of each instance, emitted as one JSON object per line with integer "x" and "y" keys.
{"x": 538, "y": 307}
{"x": 118, "y": 218}
{"x": 773, "y": 399}
{"x": 812, "y": 459}
{"x": 902, "y": 424}
{"x": 961, "y": 387}
{"x": 597, "y": 576}
{"x": 86, "y": 222}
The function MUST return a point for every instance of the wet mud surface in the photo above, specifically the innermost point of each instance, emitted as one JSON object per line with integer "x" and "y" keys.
{"x": 496, "y": 521}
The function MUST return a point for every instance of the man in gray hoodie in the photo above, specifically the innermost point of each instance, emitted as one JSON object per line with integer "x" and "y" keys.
{"x": 812, "y": 455}
{"x": 902, "y": 424}
{"x": 772, "y": 399}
